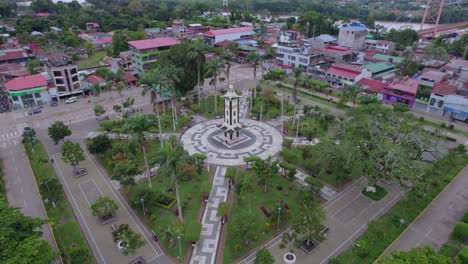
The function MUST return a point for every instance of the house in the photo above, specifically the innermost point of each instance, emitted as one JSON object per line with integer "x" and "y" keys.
{"x": 427, "y": 80}
{"x": 29, "y": 91}
{"x": 193, "y": 30}
{"x": 14, "y": 56}
{"x": 178, "y": 28}
{"x": 380, "y": 69}
{"x": 353, "y": 36}
{"x": 95, "y": 79}
{"x": 372, "y": 86}
{"x": 443, "y": 89}
{"x": 64, "y": 74}
{"x": 341, "y": 74}
{"x": 100, "y": 40}
{"x": 214, "y": 36}
{"x": 403, "y": 92}
{"x": 338, "y": 53}
{"x": 383, "y": 46}
{"x": 456, "y": 107}
{"x": 145, "y": 52}
{"x": 41, "y": 15}
{"x": 10, "y": 71}
{"x": 93, "y": 27}
{"x": 321, "y": 41}
{"x": 387, "y": 58}
{"x": 125, "y": 61}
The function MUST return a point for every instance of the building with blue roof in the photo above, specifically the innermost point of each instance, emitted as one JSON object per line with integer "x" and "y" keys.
{"x": 353, "y": 36}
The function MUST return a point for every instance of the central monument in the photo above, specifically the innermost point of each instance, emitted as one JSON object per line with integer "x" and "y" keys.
{"x": 231, "y": 123}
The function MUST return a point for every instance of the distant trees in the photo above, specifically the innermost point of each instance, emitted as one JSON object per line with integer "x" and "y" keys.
{"x": 409, "y": 66}
{"x": 403, "y": 38}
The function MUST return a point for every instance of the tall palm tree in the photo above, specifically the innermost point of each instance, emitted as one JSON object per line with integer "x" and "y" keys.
{"x": 137, "y": 125}
{"x": 196, "y": 52}
{"x": 170, "y": 77}
{"x": 152, "y": 81}
{"x": 351, "y": 92}
{"x": 297, "y": 73}
{"x": 213, "y": 70}
{"x": 170, "y": 158}
{"x": 254, "y": 59}
{"x": 228, "y": 57}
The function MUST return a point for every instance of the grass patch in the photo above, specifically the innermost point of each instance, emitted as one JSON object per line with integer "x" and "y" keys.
{"x": 267, "y": 104}
{"x": 308, "y": 95}
{"x": 383, "y": 231}
{"x": 377, "y": 195}
{"x": 2, "y": 184}
{"x": 251, "y": 201}
{"x": 207, "y": 107}
{"x": 91, "y": 61}
{"x": 66, "y": 229}
{"x": 449, "y": 250}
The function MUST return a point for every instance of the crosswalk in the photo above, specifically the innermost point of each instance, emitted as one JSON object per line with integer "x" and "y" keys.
{"x": 5, "y": 144}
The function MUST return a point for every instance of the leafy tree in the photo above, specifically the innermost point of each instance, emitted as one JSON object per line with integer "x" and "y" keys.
{"x": 432, "y": 52}
{"x": 213, "y": 69}
{"x": 137, "y": 125}
{"x": 264, "y": 256}
{"x": 170, "y": 158}
{"x": 104, "y": 207}
{"x": 403, "y": 38}
{"x": 128, "y": 102}
{"x": 20, "y": 238}
{"x": 58, "y": 131}
{"x": 193, "y": 231}
{"x": 136, "y": 7}
{"x": 245, "y": 226}
{"x": 132, "y": 241}
{"x": 265, "y": 170}
{"x": 223, "y": 209}
{"x": 72, "y": 153}
{"x": 29, "y": 137}
{"x": 96, "y": 89}
{"x": 32, "y": 65}
{"x": 120, "y": 87}
{"x": 369, "y": 99}
{"x": 124, "y": 172}
{"x": 297, "y": 72}
{"x": 351, "y": 93}
{"x": 99, "y": 110}
{"x": 117, "y": 108}
{"x": 313, "y": 23}
{"x": 197, "y": 49}
{"x": 409, "y": 66}
{"x": 52, "y": 188}
{"x": 255, "y": 60}
{"x": 306, "y": 224}
{"x": 422, "y": 255}
{"x": 119, "y": 42}
{"x": 89, "y": 47}
{"x": 199, "y": 161}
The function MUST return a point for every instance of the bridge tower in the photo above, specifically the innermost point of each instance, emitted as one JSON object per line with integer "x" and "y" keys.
{"x": 432, "y": 14}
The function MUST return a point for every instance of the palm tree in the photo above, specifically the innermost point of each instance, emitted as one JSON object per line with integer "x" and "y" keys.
{"x": 297, "y": 73}
{"x": 228, "y": 57}
{"x": 196, "y": 52}
{"x": 137, "y": 125}
{"x": 213, "y": 69}
{"x": 152, "y": 81}
{"x": 170, "y": 158}
{"x": 255, "y": 59}
{"x": 170, "y": 77}
{"x": 351, "y": 92}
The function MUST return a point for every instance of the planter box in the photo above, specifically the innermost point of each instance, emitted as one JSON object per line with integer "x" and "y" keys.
{"x": 167, "y": 206}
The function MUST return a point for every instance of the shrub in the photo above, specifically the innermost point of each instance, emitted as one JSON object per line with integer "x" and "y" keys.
{"x": 461, "y": 230}
{"x": 193, "y": 231}
{"x": 275, "y": 74}
{"x": 401, "y": 108}
{"x": 465, "y": 217}
{"x": 421, "y": 118}
{"x": 464, "y": 255}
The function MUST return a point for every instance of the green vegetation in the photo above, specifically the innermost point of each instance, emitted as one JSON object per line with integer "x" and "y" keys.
{"x": 315, "y": 123}
{"x": 92, "y": 61}
{"x": 66, "y": 229}
{"x": 207, "y": 106}
{"x": 248, "y": 200}
{"x": 464, "y": 255}
{"x": 117, "y": 126}
{"x": 2, "y": 184}
{"x": 382, "y": 232}
{"x": 267, "y": 105}
{"x": 377, "y": 195}
{"x": 461, "y": 231}
{"x": 423, "y": 255}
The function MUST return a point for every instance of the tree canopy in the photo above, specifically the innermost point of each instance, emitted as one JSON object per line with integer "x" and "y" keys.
{"x": 58, "y": 131}
{"x": 422, "y": 255}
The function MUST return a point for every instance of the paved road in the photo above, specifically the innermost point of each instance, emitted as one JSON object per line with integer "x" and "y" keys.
{"x": 347, "y": 217}
{"x": 434, "y": 226}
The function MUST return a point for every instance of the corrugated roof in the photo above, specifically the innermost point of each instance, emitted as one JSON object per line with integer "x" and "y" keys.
{"x": 220, "y": 32}
{"x": 370, "y": 85}
{"x": 153, "y": 43}
{"x": 379, "y": 67}
{"x": 26, "y": 82}
{"x": 343, "y": 73}
{"x": 384, "y": 57}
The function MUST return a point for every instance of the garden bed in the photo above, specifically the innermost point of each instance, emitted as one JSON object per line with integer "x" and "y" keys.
{"x": 267, "y": 105}
{"x": 117, "y": 126}
{"x": 67, "y": 232}
{"x": 253, "y": 201}
{"x": 377, "y": 195}
{"x": 207, "y": 107}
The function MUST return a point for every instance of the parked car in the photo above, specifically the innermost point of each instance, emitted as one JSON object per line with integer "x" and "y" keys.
{"x": 35, "y": 111}
{"x": 53, "y": 103}
{"x": 71, "y": 100}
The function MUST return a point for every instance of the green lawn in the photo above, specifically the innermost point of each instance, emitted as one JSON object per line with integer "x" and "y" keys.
{"x": 251, "y": 202}
{"x": 91, "y": 61}
{"x": 67, "y": 232}
{"x": 207, "y": 108}
{"x": 310, "y": 126}
{"x": 267, "y": 105}
{"x": 382, "y": 232}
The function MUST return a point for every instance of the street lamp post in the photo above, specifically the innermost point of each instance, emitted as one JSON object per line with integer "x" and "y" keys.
{"x": 279, "y": 214}
{"x": 180, "y": 248}
{"x": 143, "y": 206}
{"x": 297, "y": 130}
{"x": 282, "y": 114}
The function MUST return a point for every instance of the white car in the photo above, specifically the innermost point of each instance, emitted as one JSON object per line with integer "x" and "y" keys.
{"x": 71, "y": 100}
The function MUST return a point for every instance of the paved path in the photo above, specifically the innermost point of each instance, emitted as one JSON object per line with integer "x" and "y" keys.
{"x": 207, "y": 247}
{"x": 347, "y": 217}
{"x": 82, "y": 192}
{"x": 434, "y": 226}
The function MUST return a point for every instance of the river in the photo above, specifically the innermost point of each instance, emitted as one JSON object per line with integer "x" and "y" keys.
{"x": 402, "y": 25}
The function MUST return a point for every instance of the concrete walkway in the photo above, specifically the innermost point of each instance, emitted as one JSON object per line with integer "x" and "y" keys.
{"x": 207, "y": 247}
{"x": 347, "y": 217}
{"x": 82, "y": 192}
{"x": 434, "y": 226}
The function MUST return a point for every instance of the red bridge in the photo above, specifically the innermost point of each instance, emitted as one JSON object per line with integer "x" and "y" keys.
{"x": 442, "y": 27}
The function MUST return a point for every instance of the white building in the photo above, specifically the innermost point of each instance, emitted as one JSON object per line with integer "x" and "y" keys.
{"x": 220, "y": 35}
{"x": 353, "y": 36}
{"x": 341, "y": 74}
{"x": 383, "y": 46}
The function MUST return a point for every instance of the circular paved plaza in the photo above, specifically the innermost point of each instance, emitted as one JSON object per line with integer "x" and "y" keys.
{"x": 255, "y": 139}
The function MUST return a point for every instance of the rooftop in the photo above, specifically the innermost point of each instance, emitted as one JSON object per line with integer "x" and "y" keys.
{"x": 447, "y": 87}
{"x": 93, "y": 79}
{"x": 380, "y": 67}
{"x": 227, "y": 31}
{"x": 11, "y": 54}
{"x": 388, "y": 58}
{"x": 153, "y": 43}
{"x": 371, "y": 85}
{"x": 26, "y": 82}
{"x": 337, "y": 49}
{"x": 406, "y": 85}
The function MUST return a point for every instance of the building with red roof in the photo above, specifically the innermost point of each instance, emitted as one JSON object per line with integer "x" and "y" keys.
{"x": 93, "y": 79}
{"x": 10, "y": 71}
{"x": 215, "y": 36}
{"x": 28, "y": 91}
{"x": 42, "y": 15}
{"x": 145, "y": 52}
{"x": 341, "y": 74}
{"x": 441, "y": 90}
{"x": 14, "y": 56}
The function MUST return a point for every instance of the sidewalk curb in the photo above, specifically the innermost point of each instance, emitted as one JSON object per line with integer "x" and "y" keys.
{"x": 386, "y": 251}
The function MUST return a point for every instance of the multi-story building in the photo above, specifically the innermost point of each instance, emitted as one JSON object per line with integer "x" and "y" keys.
{"x": 383, "y": 46}
{"x": 402, "y": 92}
{"x": 145, "y": 52}
{"x": 29, "y": 91}
{"x": 214, "y": 36}
{"x": 341, "y": 74}
{"x": 353, "y": 36}
{"x": 65, "y": 75}
{"x": 295, "y": 56}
